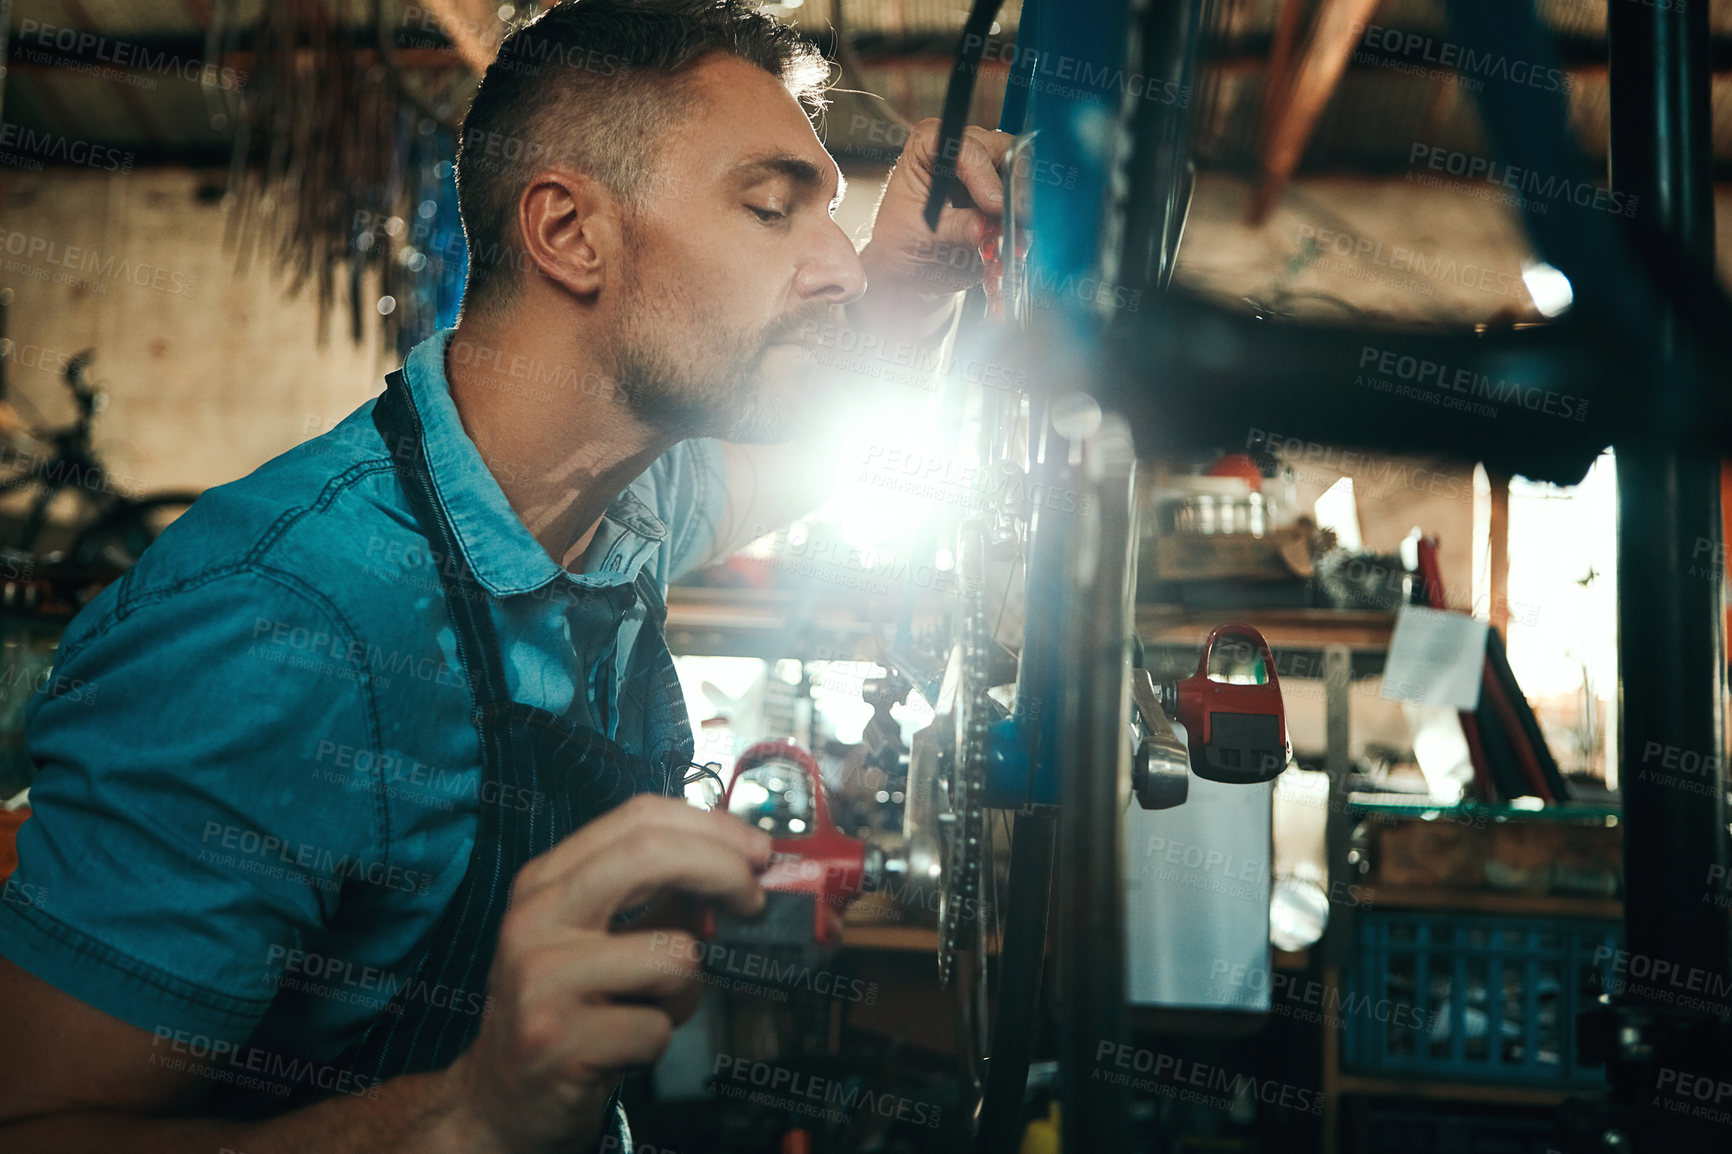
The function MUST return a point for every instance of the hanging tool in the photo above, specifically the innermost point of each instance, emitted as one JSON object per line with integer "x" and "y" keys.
{"x": 815, "y": 869}
{"x": 1237, "y": 731}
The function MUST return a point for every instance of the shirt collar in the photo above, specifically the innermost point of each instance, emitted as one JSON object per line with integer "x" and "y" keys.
{"x": 497, "y": 546}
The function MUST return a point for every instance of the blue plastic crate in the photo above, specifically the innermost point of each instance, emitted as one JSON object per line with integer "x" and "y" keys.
{"x": 1472, "y": 997}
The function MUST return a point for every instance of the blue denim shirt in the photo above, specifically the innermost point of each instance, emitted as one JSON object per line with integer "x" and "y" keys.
{"x": 258, "y": 781}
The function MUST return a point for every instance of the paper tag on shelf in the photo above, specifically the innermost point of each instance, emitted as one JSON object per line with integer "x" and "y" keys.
{"x": 1435, "y": 658}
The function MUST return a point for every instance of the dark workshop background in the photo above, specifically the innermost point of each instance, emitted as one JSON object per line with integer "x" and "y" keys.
{"x": 246, "y": 211}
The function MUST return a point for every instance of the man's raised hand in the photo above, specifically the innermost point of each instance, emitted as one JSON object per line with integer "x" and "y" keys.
{"x": 911, "y": 266}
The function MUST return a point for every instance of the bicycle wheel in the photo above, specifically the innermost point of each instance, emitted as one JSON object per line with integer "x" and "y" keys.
{"x": 1079, "y": 570}
{"x": 948, "y": 837}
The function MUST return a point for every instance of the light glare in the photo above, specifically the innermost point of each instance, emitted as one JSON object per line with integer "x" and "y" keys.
{"x": 1549, "y": 288}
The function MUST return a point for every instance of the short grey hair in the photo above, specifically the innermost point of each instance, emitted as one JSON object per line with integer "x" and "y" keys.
{"x": 596, "y": 85}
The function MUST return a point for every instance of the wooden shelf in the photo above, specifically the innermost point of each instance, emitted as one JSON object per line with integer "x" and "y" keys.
{"x": 890, "y": 938}
{"x": 831, "y": 624}
{"x": 1361, "y": 629}
{"x": 925, "y": 939}
{"x": 1445, "y": 1091}
{"x": 1482, "y": 901}
{"x": 697, "y": 606}
{"x": 906, "y": 939}
{"x": 697, "y": 613}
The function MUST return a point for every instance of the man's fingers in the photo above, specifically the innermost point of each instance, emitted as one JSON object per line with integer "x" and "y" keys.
{"x": 980, "y": 153}
{"x": 978, "y": 161}
{"x": 675, "y": 964}
{"x": 670, "y": 910}
{"x": 995, "y": 142}
{"x": 611, "y": 1040}
{"x": 958, "y": 239}
{"x": 977, "y": 167}
{"x": 631, "y": 821}
{"x": 659, "y": 968}
{"x": 660, "y": 858}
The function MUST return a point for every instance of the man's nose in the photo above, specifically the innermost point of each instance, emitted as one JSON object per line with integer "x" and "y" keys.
{"x": 834, "y": 273}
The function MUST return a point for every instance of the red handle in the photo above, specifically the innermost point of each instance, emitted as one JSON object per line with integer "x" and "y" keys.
{"x": 1236, "y": 630}
{"x": 1250, "y": 742}
{"x": 825, "y": 862}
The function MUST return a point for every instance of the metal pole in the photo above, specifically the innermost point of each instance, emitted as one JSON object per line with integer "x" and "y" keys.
{"x": 1671, "y": 648}
{"x": 1094, "y": 774}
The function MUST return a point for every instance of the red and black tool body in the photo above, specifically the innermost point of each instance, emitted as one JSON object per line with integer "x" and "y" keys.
{"x": 1237, "y": 733}
{"x": 813, "y": 875}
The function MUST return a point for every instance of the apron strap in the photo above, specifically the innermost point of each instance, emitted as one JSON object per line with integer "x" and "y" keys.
{"x": 477, "y": 641}
{"x": 654, "y": 687}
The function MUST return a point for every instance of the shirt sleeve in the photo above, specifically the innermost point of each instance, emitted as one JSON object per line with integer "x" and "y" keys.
{"x": 180, "y": 833}
{"x": 690, "y": 496}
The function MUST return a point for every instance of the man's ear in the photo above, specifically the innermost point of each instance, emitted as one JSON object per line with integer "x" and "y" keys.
{"x": 570, "y": 226}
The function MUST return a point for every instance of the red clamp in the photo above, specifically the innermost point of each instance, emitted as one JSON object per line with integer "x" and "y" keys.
{"x": 1237, "y": 733}
{"x": 821, "y": 861}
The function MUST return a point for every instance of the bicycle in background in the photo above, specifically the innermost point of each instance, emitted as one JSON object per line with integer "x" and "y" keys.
{"x": 110, "y": 528}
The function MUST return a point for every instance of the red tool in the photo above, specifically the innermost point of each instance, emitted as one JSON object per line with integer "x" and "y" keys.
{"x": 1237, "y": 733}
{"x": 821, "y": 863}
{"x": 992, "y": 271}
{"x": 1237, "y": 465}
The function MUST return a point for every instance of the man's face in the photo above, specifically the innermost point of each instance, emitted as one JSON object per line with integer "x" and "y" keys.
{"x": 733, "y": 263}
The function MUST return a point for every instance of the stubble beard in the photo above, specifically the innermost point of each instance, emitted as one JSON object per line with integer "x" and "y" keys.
{"x": 725, "y": 399}
{"x": 720, "y": 391}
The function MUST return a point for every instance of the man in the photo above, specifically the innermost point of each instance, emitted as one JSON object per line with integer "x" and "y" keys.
{"x": 337, "y": 855}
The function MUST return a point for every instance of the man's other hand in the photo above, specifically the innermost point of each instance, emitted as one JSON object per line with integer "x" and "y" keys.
{"x": 572, "y": 1004}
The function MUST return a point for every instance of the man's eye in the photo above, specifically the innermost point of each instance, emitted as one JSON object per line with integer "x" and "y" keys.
{"x": 767, "y": 215}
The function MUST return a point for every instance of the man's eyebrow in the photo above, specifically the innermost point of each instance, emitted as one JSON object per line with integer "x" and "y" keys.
{"x": 795, "y": 168}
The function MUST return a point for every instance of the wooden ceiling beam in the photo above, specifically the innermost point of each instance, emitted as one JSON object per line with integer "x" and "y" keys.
{"x": 135, "y": 105}
{"x": 472, "y": 27}
{"x": 412, "y": 59}
{"x": 1277, "y": 77}
{"x": 1297, "y": 110}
